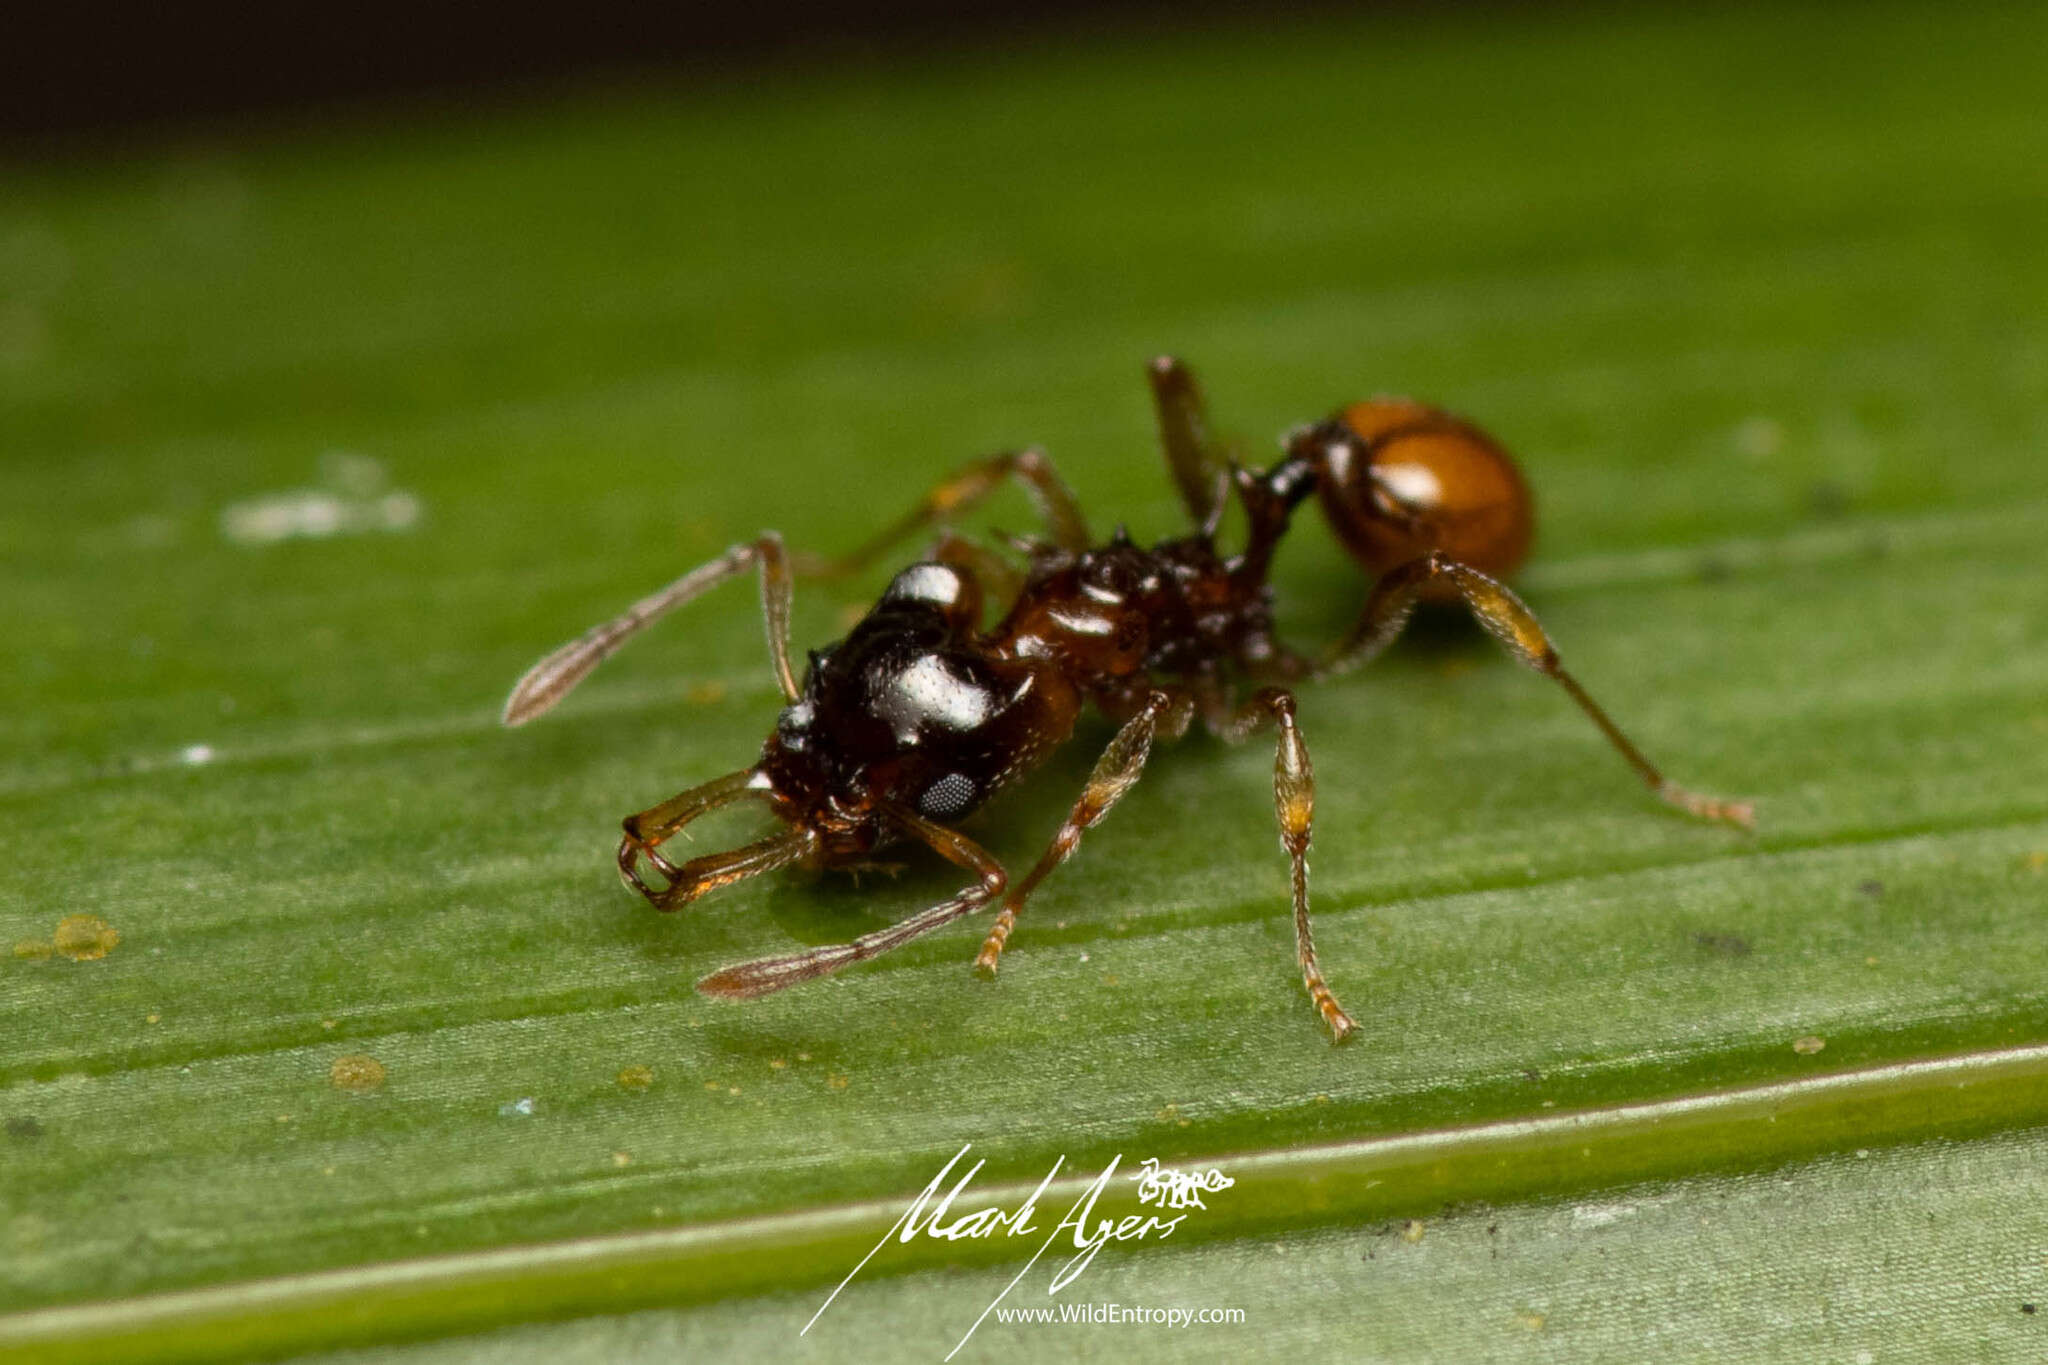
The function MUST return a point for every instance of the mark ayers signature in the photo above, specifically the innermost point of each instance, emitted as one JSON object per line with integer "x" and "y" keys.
{"x": 931, "y": 1214}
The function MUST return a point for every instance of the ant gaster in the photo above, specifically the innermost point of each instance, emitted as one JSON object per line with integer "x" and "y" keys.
{"x": 920, "y": 715}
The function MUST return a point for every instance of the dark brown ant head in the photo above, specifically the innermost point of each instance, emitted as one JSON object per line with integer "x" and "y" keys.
{"x": 910, "y": 715}
{"x": 880, "y": 711}
{"x": 1400, "y": 479}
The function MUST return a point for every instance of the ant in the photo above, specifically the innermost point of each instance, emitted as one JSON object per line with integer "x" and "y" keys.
{"x": 920, "y": 715}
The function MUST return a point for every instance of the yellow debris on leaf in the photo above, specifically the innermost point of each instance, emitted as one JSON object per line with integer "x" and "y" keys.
{"x": 356, "y": 1072}
{"x": 85, "y": 938}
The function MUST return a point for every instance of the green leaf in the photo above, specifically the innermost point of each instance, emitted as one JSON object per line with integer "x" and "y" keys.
{"x": 1763, "y": 319}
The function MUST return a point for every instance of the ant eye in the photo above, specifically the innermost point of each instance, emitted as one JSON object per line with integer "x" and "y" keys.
{"x": 793, "y": 726}
{"x": 951, "y": 795}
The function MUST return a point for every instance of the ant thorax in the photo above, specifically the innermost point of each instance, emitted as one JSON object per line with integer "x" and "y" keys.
{"x": 1121, "y": 615}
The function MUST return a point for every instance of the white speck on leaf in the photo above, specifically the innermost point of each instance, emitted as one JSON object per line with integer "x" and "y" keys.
{"x": 352, "y": 501}
{"x": 1601, "y": 1215}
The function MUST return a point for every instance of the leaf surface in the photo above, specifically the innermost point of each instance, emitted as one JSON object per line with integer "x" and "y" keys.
{"x": 1771, "y": 345}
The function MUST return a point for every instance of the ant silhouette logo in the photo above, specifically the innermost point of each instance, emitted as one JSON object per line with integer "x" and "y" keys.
{"x": 1172, "y": 1189}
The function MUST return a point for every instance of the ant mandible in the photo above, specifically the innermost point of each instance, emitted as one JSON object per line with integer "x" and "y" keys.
{"x": 919, "y": 715}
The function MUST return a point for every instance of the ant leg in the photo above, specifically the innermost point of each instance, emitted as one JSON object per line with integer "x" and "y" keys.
{"x": 749, "y": 979}
{"x": 962, "y": 491}
{"x": 548, "y": 681}
{"x": 1184, "y": 433}
{"x": 1294, "y": 802}
{"x": 1515, "y": 626}
{"x": 647, "y": 831}
{"x": 1114, "y": 774}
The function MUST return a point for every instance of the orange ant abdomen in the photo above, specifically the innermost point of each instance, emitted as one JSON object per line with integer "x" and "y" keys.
{"x": 1401, "y": 479}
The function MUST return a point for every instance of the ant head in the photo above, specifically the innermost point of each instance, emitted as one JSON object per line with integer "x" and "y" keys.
{"x": 910, "y": 714}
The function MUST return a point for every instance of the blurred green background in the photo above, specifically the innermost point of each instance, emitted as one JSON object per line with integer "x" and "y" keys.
{"x": 315, "y": 436}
